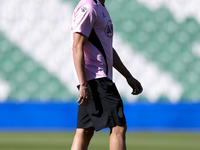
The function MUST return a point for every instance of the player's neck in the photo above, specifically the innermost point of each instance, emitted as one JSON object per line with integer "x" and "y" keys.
{"x": 102, "y": 2}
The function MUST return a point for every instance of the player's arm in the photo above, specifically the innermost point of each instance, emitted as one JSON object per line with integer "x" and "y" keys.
{"x": 79, "y": 63}
{"x": 119, "y": 66}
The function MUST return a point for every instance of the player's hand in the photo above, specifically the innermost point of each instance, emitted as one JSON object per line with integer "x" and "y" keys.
{"x": 84, "y": 96}
{"x": 135, "y": 84}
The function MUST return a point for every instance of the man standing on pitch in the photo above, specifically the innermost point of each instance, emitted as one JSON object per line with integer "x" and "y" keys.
{"x": 100, "y": 105}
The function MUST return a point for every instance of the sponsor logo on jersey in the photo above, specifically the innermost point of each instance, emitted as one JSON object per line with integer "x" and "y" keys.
{"x": 109, "y": 29}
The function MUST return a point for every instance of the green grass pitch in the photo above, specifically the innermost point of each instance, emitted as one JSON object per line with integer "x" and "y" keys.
{"x": 100, "y": 141}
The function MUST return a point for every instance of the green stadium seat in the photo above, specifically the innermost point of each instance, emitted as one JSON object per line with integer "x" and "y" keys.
{"x": 173, "y": 47}
{"x": 170, "y": 26}
{"x": 16, "y": 54}
{"x": 190, "y": 26}
{"x": 7, "y": 65}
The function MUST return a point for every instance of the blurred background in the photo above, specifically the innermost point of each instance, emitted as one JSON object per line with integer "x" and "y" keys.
{"x": 158, "y": 41}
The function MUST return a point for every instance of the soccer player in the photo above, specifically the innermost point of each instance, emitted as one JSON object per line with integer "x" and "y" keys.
{"x": 100, "y": 105}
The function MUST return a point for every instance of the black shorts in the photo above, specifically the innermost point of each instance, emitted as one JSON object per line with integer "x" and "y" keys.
{"x": 105, "y": 108}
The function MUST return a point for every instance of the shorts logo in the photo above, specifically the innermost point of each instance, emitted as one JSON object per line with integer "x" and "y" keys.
{"x": 83, "y": 9}
{"x": 109, "y": 29}
{"x": 120, "y": 112}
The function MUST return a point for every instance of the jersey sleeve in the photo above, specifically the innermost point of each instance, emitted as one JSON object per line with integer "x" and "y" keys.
{"x": 84, "y": 20}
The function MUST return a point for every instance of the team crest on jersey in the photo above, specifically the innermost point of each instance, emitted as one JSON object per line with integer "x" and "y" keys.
{"x": 83, "y": 9}
{"x": 109, "y": 29}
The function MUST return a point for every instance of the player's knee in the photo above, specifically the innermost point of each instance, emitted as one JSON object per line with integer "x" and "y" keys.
{"x": 85, "y": 133}
{"x": 89, "y": 132}
{"x": 119, "y": 130}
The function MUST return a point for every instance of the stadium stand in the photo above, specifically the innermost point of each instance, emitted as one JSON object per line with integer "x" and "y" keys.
{"x": 36, "y": 58}
{"x": 27, "y": 79}
{"x": 162, "y": 39}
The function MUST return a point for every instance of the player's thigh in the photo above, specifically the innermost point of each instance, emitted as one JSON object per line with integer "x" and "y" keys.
{"x": 86, "y": 133}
